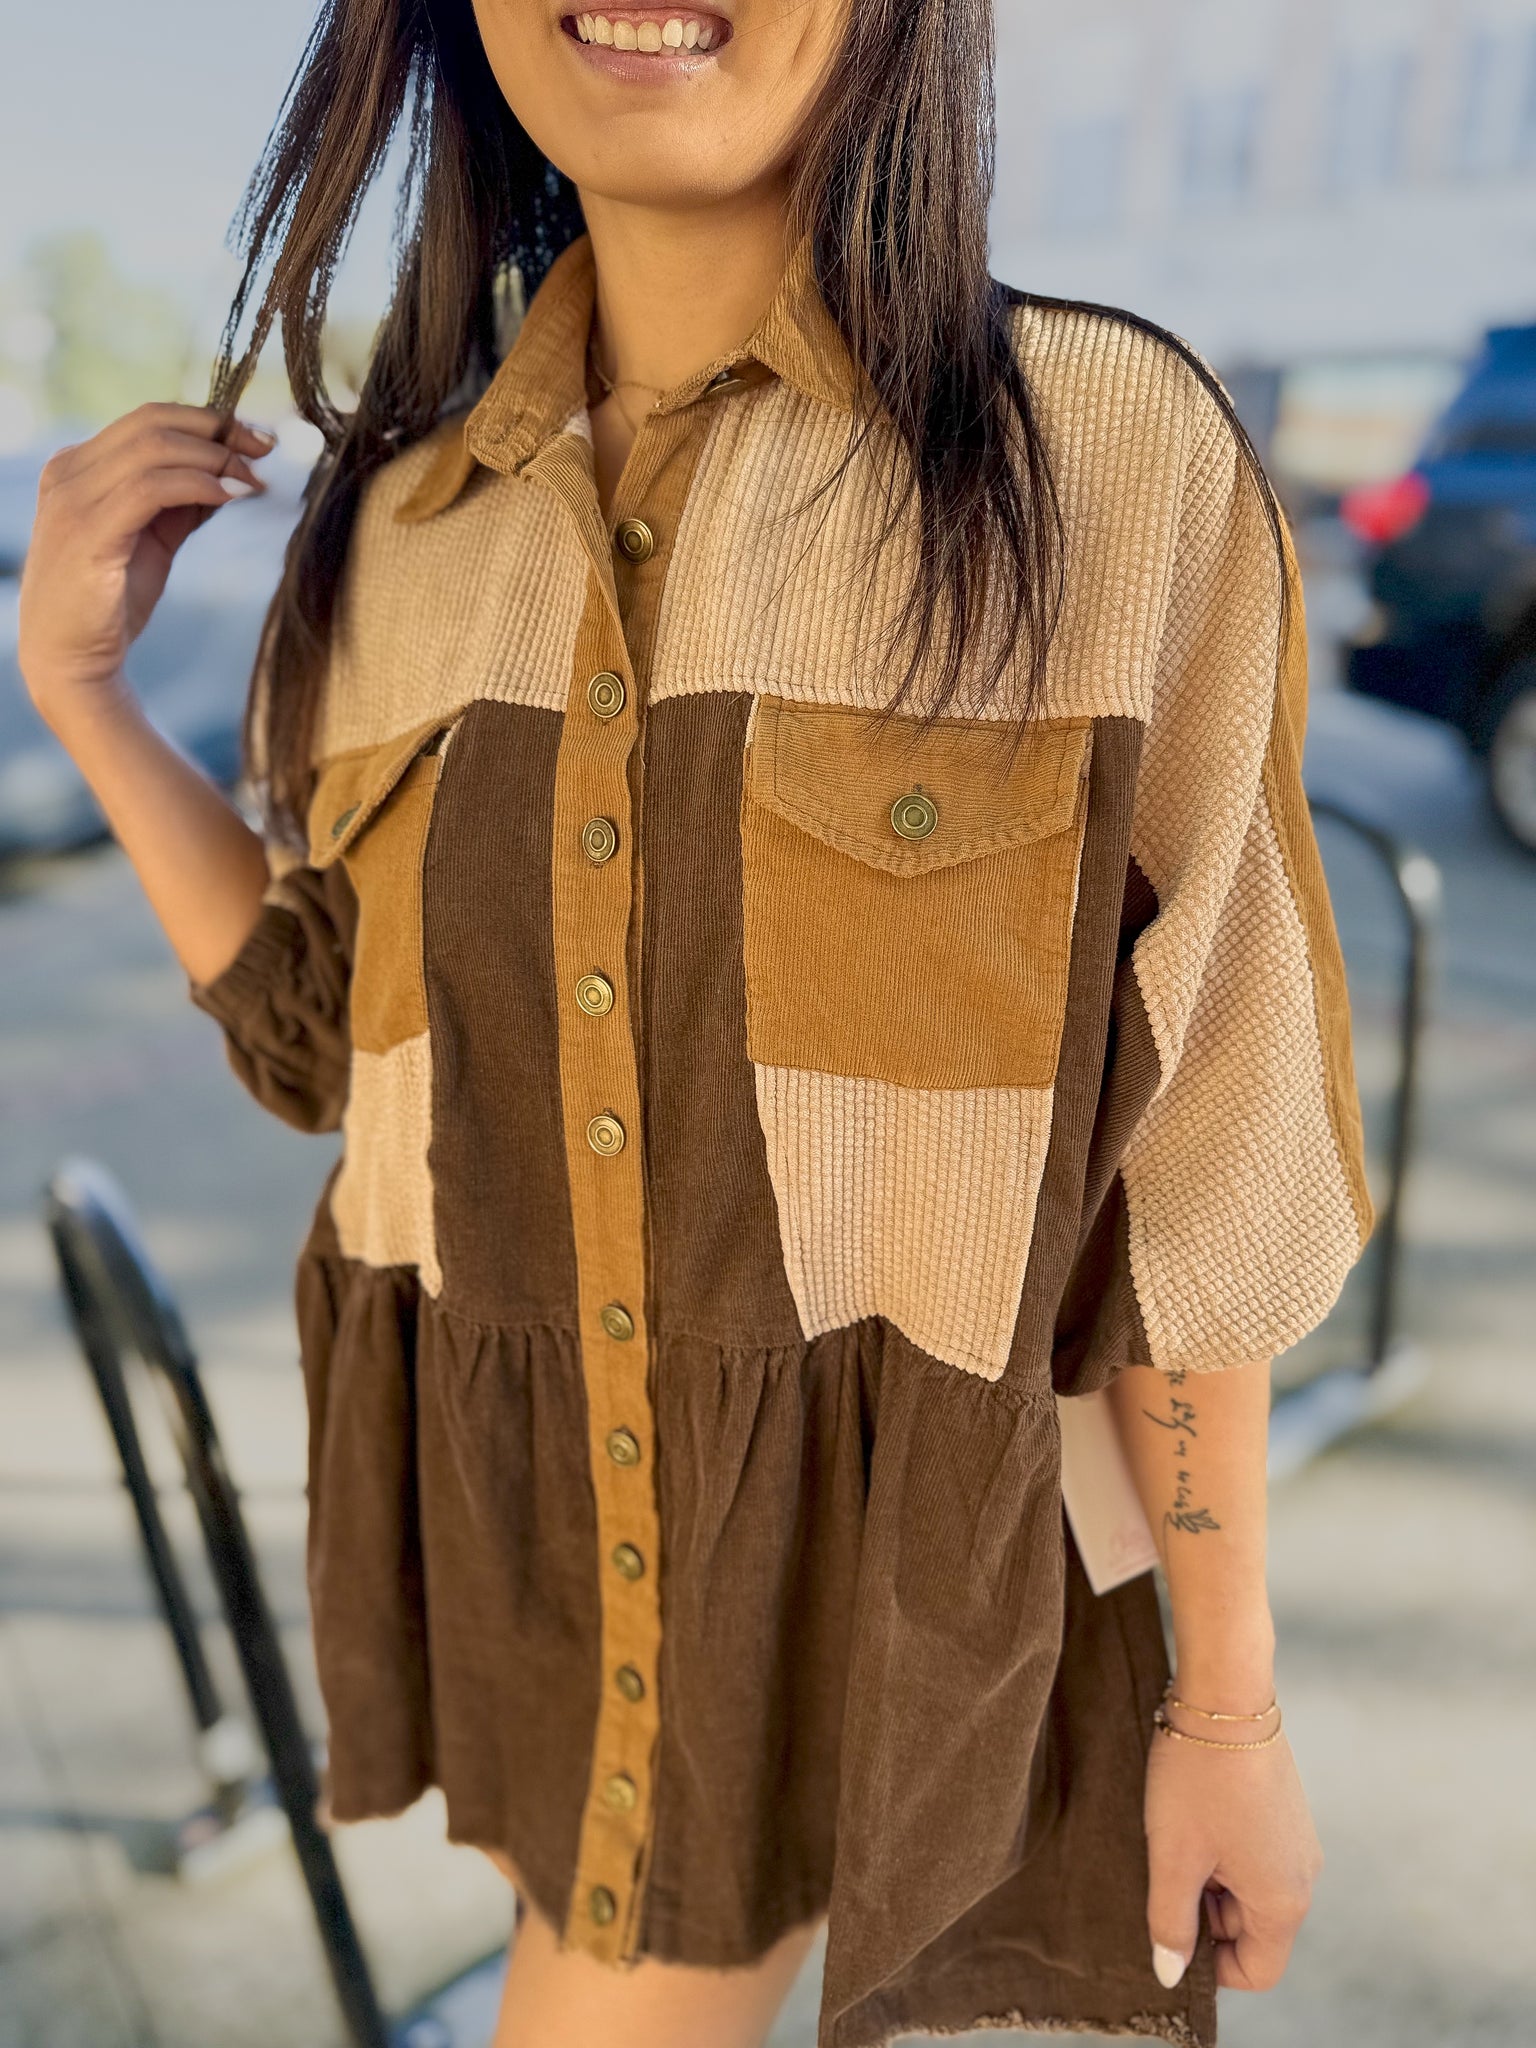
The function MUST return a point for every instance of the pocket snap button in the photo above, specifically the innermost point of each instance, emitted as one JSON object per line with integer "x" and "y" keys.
{"x": 914, "y": 815}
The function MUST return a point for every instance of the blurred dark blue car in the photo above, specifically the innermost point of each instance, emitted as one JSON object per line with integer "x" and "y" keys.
{"x": 191, "y": 665}
{"x": 1452, "y": 569}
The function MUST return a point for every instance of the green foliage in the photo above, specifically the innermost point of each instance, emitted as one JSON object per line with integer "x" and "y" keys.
{"x": 115, "y": 343}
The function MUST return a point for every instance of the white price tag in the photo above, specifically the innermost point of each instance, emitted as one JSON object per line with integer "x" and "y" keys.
{"x": 1104, "y": 1509}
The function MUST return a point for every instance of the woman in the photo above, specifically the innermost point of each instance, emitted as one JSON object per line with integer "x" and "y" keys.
{"x": 784, "y": 856}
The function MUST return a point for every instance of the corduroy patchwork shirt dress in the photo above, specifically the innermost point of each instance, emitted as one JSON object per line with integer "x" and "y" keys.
{"x": 756, "y": 1115}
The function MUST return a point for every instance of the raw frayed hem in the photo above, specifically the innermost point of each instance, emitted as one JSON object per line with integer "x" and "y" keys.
{"x": 1141, "y": 2026}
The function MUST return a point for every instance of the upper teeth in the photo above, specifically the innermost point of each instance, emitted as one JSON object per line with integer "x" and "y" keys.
{"x": 678, "y": 32}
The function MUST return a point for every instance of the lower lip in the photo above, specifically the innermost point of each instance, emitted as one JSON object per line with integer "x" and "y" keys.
{"x": 658, "y": 67}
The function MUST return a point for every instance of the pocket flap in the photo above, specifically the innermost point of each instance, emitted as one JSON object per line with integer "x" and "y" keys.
{"x": 352, "y": 786}
{"x": 847, "y": 777}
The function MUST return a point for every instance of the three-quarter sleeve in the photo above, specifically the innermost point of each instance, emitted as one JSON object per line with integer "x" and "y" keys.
{"x": 282, "y": 1001}
{"x": 1243, "y": 1193}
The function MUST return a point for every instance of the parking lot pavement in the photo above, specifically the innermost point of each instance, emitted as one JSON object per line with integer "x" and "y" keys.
{"x": 1402, "y": 1561}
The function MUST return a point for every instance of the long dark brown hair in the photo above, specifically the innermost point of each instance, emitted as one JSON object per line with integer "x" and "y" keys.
{"x": 893, "y": 185}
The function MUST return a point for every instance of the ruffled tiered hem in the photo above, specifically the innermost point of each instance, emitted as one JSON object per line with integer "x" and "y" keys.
{"x": 887, "y": 1694}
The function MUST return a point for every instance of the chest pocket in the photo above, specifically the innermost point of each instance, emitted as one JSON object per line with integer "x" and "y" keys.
{"x": 370, "y": 810}
{"x": 908, "y": 895}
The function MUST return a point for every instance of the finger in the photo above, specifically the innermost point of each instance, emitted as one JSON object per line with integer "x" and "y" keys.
{"x": 204, "y": 422}
{"x": 190, "y": 425}
{"x": 1254, "y": 1961}
{"x": 153, "y": 448}
{"x": 1174, "y": 1884}
{"x": 1224, "y": 1914}
{"x": 139, "y": 499}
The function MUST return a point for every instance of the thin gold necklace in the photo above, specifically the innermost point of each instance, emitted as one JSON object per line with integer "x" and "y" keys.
{"x": 611, "y": 387}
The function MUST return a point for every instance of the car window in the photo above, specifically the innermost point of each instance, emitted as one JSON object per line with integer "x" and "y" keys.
{"x": 1507, "y": 437}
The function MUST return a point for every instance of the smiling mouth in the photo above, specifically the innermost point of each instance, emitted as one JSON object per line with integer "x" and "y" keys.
{"x": 650, "y": 32}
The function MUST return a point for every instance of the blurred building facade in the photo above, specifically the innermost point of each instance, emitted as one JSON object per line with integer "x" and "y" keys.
{"x": 1340, "y": 191}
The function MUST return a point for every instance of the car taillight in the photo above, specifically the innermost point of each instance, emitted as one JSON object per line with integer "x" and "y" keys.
{"x": 1382, "y": 513}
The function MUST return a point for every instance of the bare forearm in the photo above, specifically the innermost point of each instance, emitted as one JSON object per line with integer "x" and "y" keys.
{"x": 202, "y": 867}
{"x": 1198, "y": 1446}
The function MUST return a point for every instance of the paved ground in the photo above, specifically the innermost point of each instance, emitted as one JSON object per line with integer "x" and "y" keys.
{"x": 1403, "y": 1562}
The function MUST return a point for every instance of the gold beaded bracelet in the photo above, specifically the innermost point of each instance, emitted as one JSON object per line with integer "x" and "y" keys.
{"x": 1161, "y": 1720}
{"x": 1207, "y": 1714}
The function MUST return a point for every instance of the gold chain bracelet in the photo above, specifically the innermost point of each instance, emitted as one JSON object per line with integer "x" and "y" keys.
{"x": 1207, "y": 1713}
{"x": 1160, "y": 1720}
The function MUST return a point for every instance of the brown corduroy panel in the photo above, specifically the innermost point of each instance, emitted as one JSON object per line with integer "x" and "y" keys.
{"x": 497, "y": 1154}
{"x": 1304, "y": 870}
{"x": 939, "y": 962}
{"x": 1099, "y": 1326}
{"x": 1061, "y": 1944}
{"x": 367, "y": 1589}
{"x": 1112, "y": 907}
{"x": 718, "y": 1269}
{"x": 282, "y": 1001}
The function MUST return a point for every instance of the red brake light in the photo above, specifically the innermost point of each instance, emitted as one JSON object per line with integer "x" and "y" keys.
{"x": 1382, "y": 513}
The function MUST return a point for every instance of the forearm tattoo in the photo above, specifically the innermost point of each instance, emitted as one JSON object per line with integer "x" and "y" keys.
{"x": 1180, "y": 1423}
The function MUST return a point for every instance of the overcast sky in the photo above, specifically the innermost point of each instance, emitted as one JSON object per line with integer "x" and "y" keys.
{"x": 144, "y": 118}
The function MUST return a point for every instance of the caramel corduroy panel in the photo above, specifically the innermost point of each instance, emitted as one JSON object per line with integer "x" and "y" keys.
{"x": 481, "y": 600}
{"x": 935, "y": 961}
{"x": 1243, "y": 1215}
{"x": 593, "y": 885}
{"x": 597, "y": 881}
{"x": 371, "y": 809}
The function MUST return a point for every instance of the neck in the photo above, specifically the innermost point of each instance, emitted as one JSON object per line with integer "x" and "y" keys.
{"x": 677, "y": 288}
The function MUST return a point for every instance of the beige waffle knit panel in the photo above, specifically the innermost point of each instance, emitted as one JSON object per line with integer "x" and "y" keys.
{"x": 381, "y": 1202}
{"x": 1243, "y": 1223}
{"x": 482, "y": 600}
{"x": 806, "y": 617}
{"x": 915, "y": 1204}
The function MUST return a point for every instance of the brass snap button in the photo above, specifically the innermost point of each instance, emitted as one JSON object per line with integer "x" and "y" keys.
{"x": 340, "y": 824}
{"x": 628, "y": 1562}
{"x": 602, "y": 1905}
{"x": 617, "y": 1321}
{"x": 605, "y": 695}
{"x": 594, "y": 994}
{"x": 914, "y": 815}
{"x": 622, "y": 1447}
{"x": 726, "y": 382}
{"x": 621, "y": 1792}
{"x": 605, "y": 1134}
{"x": 599, "y": 840}
{"x": 634, "y": 540}
{"x": 630, "y": 1683}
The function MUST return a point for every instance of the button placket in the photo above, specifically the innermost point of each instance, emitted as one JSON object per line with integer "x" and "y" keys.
{"x": 596, "y": 886}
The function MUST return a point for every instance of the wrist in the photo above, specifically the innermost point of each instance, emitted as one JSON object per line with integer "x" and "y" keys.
{"x": 1227, "y": 1677}
{"x": 75, "y": 712}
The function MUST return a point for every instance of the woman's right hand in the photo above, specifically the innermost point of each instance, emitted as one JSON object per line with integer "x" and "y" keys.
{"x": 111, "y": 514}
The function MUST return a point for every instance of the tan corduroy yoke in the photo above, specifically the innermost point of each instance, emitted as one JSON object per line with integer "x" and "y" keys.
{"x": 758, "y": 1116}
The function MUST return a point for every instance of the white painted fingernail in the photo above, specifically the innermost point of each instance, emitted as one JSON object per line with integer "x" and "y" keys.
{"x": 236, "y": 487}
{"x": 1168, "y": 1965}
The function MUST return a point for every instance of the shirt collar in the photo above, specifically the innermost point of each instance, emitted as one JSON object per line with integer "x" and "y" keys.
{"x": 540, "y": 388}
